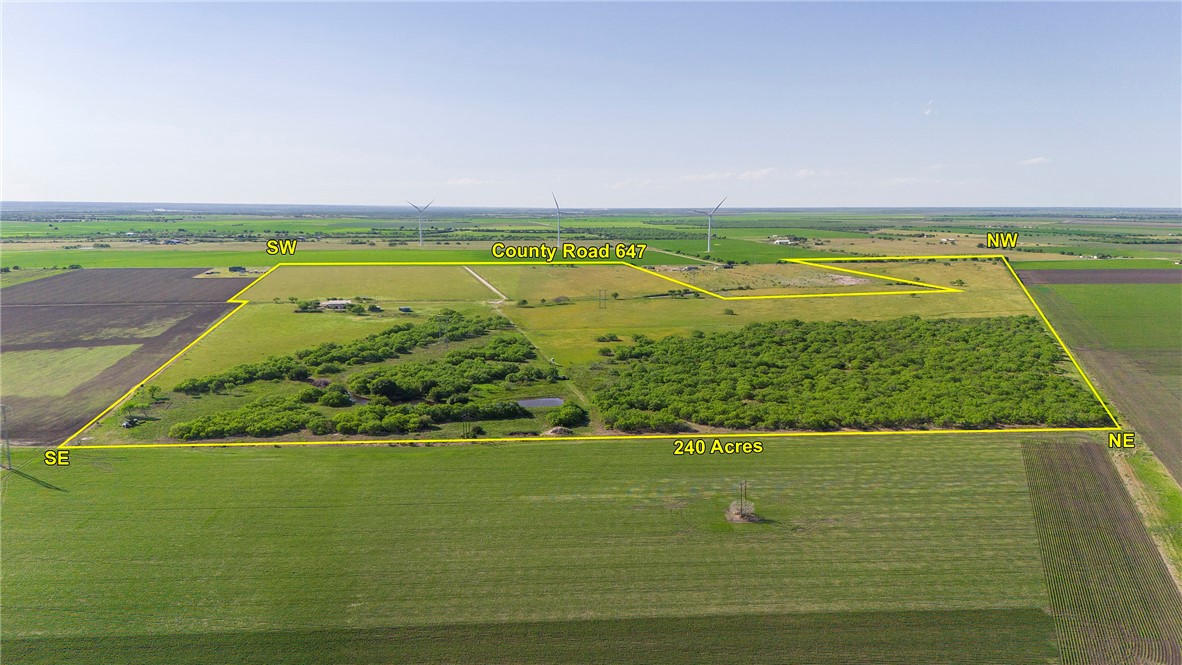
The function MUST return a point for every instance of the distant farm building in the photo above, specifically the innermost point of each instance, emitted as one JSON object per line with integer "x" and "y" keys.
{"x": 335, "y": 304}
{"x": 405, "y": 310}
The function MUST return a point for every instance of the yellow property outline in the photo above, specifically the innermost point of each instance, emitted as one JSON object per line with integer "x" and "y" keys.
{"x": 813, "y": 262}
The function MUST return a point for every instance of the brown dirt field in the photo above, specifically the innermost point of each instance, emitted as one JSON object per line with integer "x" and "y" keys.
{"x": 1111, "y": 593}
{"x": 44, "y": 420}
{"x": 1150, "y": 276}
{"x": 123, "y": 285}
{"x": 28, "y": 327}
{"x": 160, "y": 309}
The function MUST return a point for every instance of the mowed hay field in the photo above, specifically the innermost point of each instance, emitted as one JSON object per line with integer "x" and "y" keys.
{"x": 896, "y": 549}
{"x": 577, "y": 282}
{"x": 383, "y": 283}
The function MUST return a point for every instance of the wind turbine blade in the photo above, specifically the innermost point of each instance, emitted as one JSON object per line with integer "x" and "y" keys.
{"x": 433, "y": 201}
{"x": 415, "y": 206}
{"x": 700, "y": 212}
{"x": 718, "y": 206}
{"x": 555, "y": 202}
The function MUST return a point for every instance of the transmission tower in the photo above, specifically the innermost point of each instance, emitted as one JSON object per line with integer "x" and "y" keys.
{"x": 5, "y": 446}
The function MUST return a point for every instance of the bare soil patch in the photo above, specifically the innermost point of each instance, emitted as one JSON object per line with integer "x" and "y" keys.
{"x": 160, "y": 309}
{"x": 123, "y": 285}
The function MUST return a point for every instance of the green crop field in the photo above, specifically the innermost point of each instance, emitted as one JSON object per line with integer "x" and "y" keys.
{"x": 1106, "y": 612}
{"x": 54, "y": 373}
{"x": 191, "y": 257}
{"x": 1129, "y": 317}
{"x": 739, "y": 250}
{"x": 478, "y": 540}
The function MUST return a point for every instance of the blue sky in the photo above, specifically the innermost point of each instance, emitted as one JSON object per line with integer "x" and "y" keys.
{"x": 608, "y": 105}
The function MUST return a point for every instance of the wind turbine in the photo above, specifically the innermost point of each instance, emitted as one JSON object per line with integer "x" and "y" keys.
{"x": 421, "y": 210}
{"x": 558, "y": 216}
{"x": 710, "y": 220}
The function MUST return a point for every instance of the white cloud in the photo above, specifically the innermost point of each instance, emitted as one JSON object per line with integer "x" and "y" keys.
{"x": 928, "y": 109}
{"x": 911, "y": 180}
{"x": 717, "y": 175}
{"x": 805, "y": 173}
{"x": 469, "y": 181}
{"x": 636, "y": 182}
{"x": 757, "y": 174}
{"x": 1034, "y": 161}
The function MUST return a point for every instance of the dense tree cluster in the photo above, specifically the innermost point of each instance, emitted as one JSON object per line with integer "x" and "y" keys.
{"x": 267, "y": 416}
{"x": 440, "y": 389}
{"x": 390, "y": 343}
{"x": 272, "y": 416}
{"x": 903, "y": 373}
{"x": 383, "y": 419}
{"x": 434, "y": 380}
{"x": 569, "y": 415}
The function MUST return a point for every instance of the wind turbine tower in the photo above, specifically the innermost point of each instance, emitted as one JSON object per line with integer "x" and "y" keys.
{"x": 421, "y": 211}
{"x": 558, "y": 216}
{"x": 710, "y": 220}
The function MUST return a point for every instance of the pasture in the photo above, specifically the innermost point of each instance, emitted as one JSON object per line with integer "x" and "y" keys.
{"x": 777, "y": 278}
{"x": 568, "y": 332}
{"x": 384, "y": 283}
{"x": 506, "y": 545}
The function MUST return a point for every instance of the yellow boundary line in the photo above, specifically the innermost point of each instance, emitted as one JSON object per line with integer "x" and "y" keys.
{"x": 592, "y": 437}
{"x": 238, "y": 300}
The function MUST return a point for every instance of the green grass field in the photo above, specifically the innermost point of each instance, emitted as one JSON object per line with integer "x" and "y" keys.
{"x": 1129, "y": 316}
{"x": 583, "y": 282}
{"x": 203, "y": 257}
{"x": 383, "y": 283}
{"x": 1164, "y": 501}
{"x": 475, "y": 540}
{"x": 54, "y": 373}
